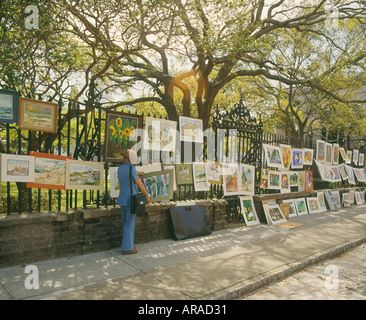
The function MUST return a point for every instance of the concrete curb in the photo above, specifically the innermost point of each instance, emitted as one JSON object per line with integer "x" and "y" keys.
{"x": 249, "y": 286}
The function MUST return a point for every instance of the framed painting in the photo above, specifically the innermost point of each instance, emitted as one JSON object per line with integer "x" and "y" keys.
{"x": 159, "y": 185}
{"x": 84, "y": 175}
{"x": 361, "y": 159}
{"x": 346, "y": 199}
{"x": 335, "y": 159}
{"x": 265, "y": 203}
{"x": 49, "y": 171}
{"x": 274, "y": 180}
{"x": 308, "y": 156}
{"x": 355, "y": 155}
{"x": 300, "y": 205}
{"x": 9, "y": 106}
{"x": 320, "y": 151}
{"x": 337, "y": 198}
{"x": 275, "y": 214}
{"x": 17, "y": 168}
{"x": 349, "y": 156}
{"x": 231, "y": 179}
{"x": 294, "y": 178}
{"x": 286, "y": 155}
{"x": 301, "y": 185}
{"x": 159, "y": 134}
{"x": 171, "y": 167}
{"x": 248, "y": 210}
{"x": 114, "y": 182}
{"x": 264, "y": 179}
{"x": 321, "y": 199}
{"x": 38, "y": 115}
{"x": 213, "y": 172}
{"x": 328, "y": 153}
{"x": 342, "y": 171}
{"x": 330, "y": 199}
{"x": 121, "y": 133}
{"x": 273, "y": 156}
{"x": 336, "y": 176}
{"x": 184, "y": 173}
{"x": 285, "y": 182}
{"x": 247, "y": 183}
{"x": 292, "y": 209}
{"x": 350, "y": 174}
{"x": 325, "y": 172}
{"x": 191, "y": 129}
{"x": 343, "y": 154}
{"x": 359, "y": 174}
{"x": 297, "y": 158}
{"x": 200, "y": 177}
{"x": 309, "y": 186}
{"x": 313, "y": 204}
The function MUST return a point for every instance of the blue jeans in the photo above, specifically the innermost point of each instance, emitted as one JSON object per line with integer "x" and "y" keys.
{"x": 129, "y": 223}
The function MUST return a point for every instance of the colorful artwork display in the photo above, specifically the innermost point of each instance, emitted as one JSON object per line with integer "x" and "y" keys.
{"x": 292, "y": 208}
{"x": 321, "y": 199}
{"x": 308, "y": 156}
{"x": 159, "y": 185}
{"x": 274, "y": 180}
{"x": 274, "y": 156}
{"x": 247, "y": 175}
{"x": 200, "y": 177}
{"x": 309, "y": 186}
{"x": 84, "y": 175}
{"x": 297, "y": 158}
{"x": 17, "y": 168}
{"x": 286, "y": 155}
{"x": 285, "y": 182}
{"x": 121, "y": 133}
{"x": 37, "y": 115}
{"x": 313, "y": 204}
{"x": 184, "y": 173}
{"x": 275, "y": 214}
{"x": 49, "y": 171}
{"x": 300, "y": 206}
{"x": 231, "y": 179}
{"x": 248, "y": 210}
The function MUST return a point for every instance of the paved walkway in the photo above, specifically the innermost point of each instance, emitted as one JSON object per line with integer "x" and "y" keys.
{"x": 224, "y": 265}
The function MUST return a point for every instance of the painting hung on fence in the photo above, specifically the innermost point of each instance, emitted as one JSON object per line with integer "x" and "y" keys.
{"x": 309, "y": 186}
{"x": 213, "y": 172}
{"x": 320, "y": 151}
{"x": 114, "y": 182}
{"x": 191, "y": 129}
{"x": 247, "y": 175}
{"x": 49, "y": 171}
{"x": 274, "y": 180}
{"x": 335, "y": 159}
{"x": 38, "y": 115}
{"x": 301, "y": 185}
{"x": 121, "y": 133}
{"x": 17, "y": 168}
{"x": 159, "y": 185}
{"x": 200, "y": 177}
{"x": 286, "y": 155}
{"x": 84, "y": 175}
{"x": 231, "y": 179}
{"x": 328, "y": 153}
{"x": 273, "y": 156}
{"x": 9, "y": 104}
{"x": 159, "y": 134}
{"x": 248, "y": 210}
{"x": 297, "y": 158}
{"x": 308, "y": 156}
{"x": 285, "y": 182}
{"x": 184, "y": 173}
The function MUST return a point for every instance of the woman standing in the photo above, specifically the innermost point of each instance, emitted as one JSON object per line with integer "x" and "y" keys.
{"x": 124, "y": 199}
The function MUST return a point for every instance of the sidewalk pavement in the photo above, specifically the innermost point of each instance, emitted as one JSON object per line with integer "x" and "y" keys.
{"x": 224, "y": 265}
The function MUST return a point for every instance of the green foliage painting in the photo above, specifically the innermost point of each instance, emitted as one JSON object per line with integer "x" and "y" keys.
{"x": 120, "y": 134}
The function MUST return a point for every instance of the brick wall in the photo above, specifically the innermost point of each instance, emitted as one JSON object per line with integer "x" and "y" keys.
{"x": 34, "y": 237}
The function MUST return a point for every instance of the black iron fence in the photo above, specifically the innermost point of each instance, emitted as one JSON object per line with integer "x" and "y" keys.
{"x": 236, "y": 136}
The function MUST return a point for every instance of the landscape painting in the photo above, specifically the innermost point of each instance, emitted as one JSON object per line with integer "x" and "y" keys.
{"x": 159, "y": 185}
{"x": 38, "y": 115}
{"x": 121, "y": 133}
{"x": 84, "y": 175}
{"x": 49, "y": 171}
{"x": 273, "y": 156}
{"x": 17, "y": 168}
{"x": 200, "y": 177}
{"x": 9, "y": 104}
